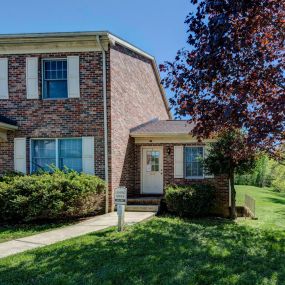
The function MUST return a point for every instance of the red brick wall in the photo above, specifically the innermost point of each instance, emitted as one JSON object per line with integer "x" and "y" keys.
{"x": 220, "y": 182}
{"x": 74, "y": 117}
{"x": 6, "y": 153}
{"x": 136, "y": 99}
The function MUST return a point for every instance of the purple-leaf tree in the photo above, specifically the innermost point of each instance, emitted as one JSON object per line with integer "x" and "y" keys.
{"x": 231, "y": 77}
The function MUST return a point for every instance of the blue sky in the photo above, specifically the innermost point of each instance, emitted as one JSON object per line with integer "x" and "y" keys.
{"x": 156, "y": 26}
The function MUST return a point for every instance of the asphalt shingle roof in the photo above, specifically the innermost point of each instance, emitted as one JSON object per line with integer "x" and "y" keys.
{"x": 163, "y": 127}
{"x": 6, "y": 120}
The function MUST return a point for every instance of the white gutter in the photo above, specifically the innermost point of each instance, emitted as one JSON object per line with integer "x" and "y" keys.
{"x": 105, "y": 123}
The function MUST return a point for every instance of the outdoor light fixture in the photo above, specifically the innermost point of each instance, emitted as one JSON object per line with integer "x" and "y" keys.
{"x": 169, "y": 151}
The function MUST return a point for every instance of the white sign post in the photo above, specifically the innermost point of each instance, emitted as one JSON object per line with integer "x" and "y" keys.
{"x": 120, "y": 202}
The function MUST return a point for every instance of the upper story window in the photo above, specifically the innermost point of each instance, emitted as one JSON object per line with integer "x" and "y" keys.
{"x": 55, "y": 79}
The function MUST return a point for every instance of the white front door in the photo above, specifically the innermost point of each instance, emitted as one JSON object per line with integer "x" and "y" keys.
{"x": 152, "y": 170}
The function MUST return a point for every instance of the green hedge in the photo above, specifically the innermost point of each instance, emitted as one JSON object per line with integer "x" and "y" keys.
{"x": 50, "y": 196}
{"x": 190, "y": 201}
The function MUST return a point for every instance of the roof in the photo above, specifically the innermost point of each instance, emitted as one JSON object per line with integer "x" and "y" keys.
{"x": 12, "y": 40}
{"x": 8, "y": 124}
{"x": 7, "y": 121}
{"x": 67, "y": 36}
{"x": 163, "y": 128}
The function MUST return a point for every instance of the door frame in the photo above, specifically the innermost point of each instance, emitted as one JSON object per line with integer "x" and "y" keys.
{"x": 142, "y": 168}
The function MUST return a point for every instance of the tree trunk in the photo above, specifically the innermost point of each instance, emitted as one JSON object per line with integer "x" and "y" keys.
{"x": 233, "y": 196}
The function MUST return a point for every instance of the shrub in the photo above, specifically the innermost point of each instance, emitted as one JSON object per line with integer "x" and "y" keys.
{"x": 9, "y": 175}
{"x": 190, "y": 201}
{"x": 50, "y": 196}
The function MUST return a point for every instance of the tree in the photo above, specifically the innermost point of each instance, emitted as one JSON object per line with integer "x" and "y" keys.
{"x": 260, "y": 175}
{"x": 221, "y": 161}
{"x": 232, "y": 75}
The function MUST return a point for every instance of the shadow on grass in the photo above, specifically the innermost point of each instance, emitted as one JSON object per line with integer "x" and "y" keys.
{"x": 160, "y": 251}
{"x": 276, "y": 200}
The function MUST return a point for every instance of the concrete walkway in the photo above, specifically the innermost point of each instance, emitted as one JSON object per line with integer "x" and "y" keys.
{"x": 90, "y": 225}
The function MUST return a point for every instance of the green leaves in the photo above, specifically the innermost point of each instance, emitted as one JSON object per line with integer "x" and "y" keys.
{"x": 230, "y": 152}
{"x": 190, "y": 201}
{"x": 61, "y": 194}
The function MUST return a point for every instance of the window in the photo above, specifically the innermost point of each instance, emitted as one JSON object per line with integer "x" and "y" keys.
{"x": 193, "y": 162}
{"x": 43, "y": 154}
{"x": 55, "y": 79}
{"x": 58, "y": 152}
{"x": 152, "y": 161}
{"x": 70, "y": 154}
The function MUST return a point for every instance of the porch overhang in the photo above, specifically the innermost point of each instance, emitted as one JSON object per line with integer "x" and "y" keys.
{"x": 164, "y": 131}
{"x": 5, "y": 126}
{"x": 166, "y": 138}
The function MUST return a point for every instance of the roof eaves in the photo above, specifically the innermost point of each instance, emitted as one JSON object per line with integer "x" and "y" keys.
{"x": 6, "y": 126}
{"x": 52, "y": 34}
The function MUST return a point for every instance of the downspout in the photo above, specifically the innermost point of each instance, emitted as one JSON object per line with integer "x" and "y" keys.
{"x": 105, "y": 123}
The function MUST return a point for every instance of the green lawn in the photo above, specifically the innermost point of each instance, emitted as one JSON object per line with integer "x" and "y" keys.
{"x": 270, "y": 206}
{"x": 8, "y": 232}
{"x": 165, "y": 250}
{"x": 160, "y": 251}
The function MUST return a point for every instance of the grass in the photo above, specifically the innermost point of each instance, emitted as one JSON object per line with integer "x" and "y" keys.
{"x": 9, "y": 232}
{"x": 165, "y": 250}
{"x": 270, "y": 206}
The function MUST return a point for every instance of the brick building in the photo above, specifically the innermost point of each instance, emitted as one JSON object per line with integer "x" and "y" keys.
{"x": 93, "y": 102}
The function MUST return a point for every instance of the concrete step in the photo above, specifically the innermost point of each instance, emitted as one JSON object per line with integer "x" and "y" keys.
{"x": 144, "y": 200}
{"x": 142, "y": 208}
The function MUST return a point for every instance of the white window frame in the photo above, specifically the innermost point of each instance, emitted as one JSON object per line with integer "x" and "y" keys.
{"x": 56, "y": 149}
{"x": 184, "y": 164}
{"x": 42, "y": 70}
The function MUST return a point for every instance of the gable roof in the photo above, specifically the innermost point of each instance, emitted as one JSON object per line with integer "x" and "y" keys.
{"x": 162, "y": 128}
{"x": 66, "y": 40}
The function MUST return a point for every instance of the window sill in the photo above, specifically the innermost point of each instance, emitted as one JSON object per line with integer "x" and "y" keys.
{"x": 52, "y": 99}
{"x": 195, "y": 177}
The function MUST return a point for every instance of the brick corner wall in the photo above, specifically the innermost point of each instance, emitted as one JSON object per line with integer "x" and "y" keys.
{"x": 135, "y": 99}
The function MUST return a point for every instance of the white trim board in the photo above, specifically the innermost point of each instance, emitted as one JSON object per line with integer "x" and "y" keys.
{"x": 6, "y": 126}
{"x": 169, "y": 139}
